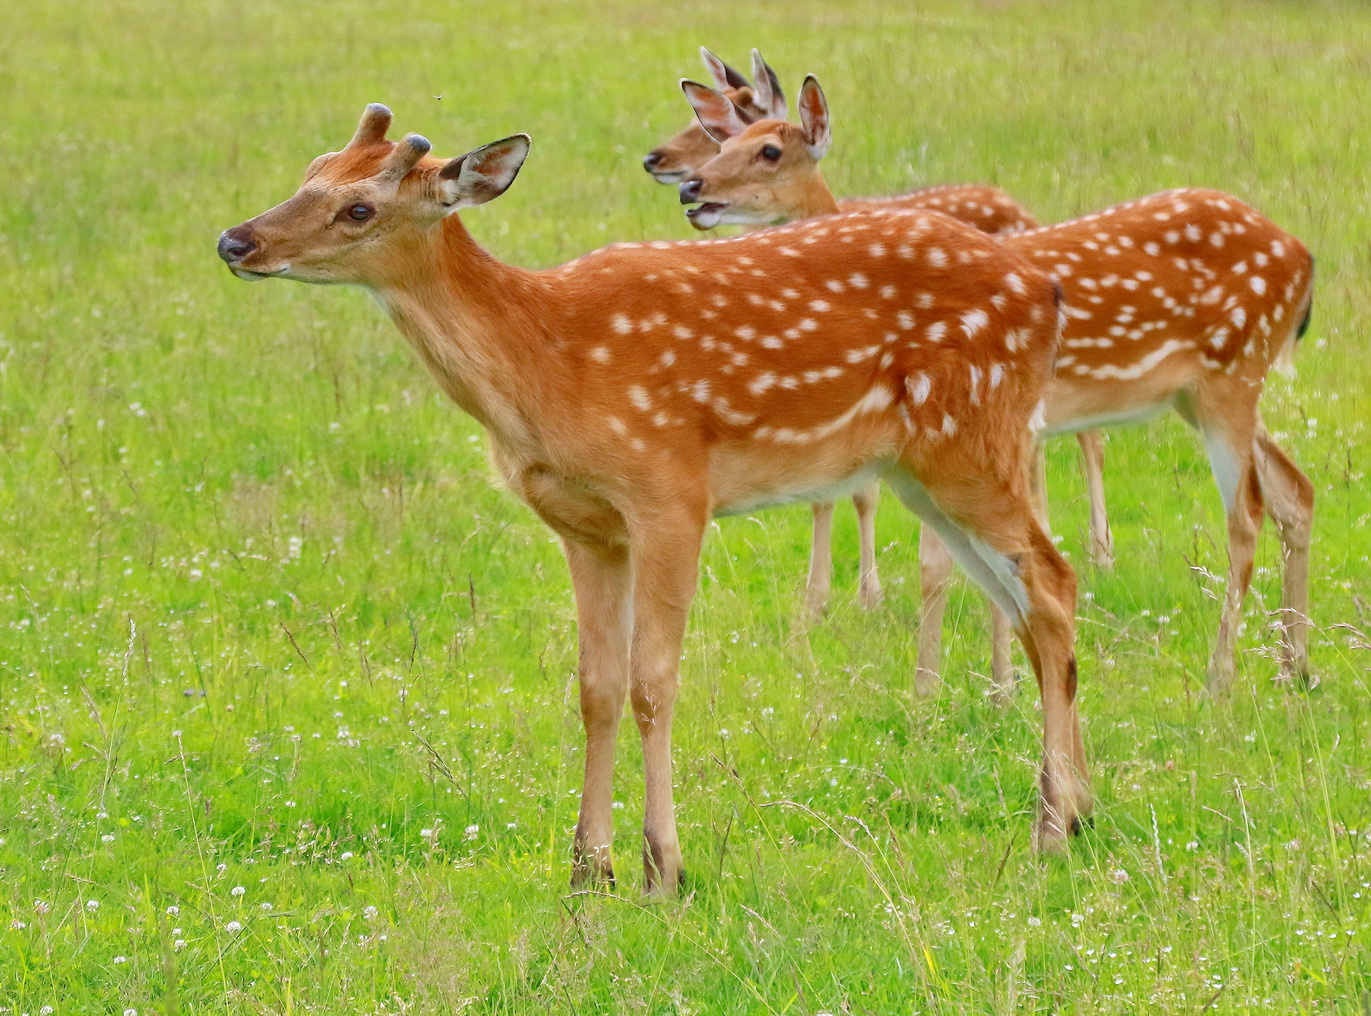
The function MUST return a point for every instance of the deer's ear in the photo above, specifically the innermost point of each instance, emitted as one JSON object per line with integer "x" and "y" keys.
{"x": 723, "y": 76}
{"x": 814, "y": 118}
{"x": 483, "y": 173}
{"x": 716, "y": 112}
{"x": 770, "y": 99}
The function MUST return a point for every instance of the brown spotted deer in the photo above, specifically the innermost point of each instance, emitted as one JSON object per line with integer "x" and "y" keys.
{"x": 989, "y": 209}
{"x": 1180, "y": 300}
{"x": 637, "y": 391}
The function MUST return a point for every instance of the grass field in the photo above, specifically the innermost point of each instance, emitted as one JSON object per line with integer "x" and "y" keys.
{"x": 287, "y": 716}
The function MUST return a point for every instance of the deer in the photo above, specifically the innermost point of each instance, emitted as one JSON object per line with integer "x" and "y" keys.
{"x": 1183, "y": 300}
{"x": 987, "y": 208}
{"x": 634, "y": 393}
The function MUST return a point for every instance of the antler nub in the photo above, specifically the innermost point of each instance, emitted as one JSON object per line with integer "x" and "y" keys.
{"x": 373, "y": 126}
{"x": 404, "y": 156}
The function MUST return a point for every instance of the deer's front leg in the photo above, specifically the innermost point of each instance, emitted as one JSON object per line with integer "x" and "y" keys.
{"x": 1101, "y": 549}
{"x": 665, "y": 554}
{"x": 604, "y": 610}
{"x": 820, "y": 561}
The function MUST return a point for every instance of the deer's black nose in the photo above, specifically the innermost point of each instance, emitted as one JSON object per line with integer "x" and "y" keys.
{"x": 651, "y": 160}
{"x": 690, "y": 190}
{"x": 236, "y": 244}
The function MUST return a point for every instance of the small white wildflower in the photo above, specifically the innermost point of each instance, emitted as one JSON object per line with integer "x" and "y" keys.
{"x": 473, "y": 831}
{"x": 266, "y": 908}
{"x": 121, "y": 959}
{"x": 233, "y": 927}
{"x": 179, "y": 944}
{"x": 107, "y": 838}
{"x": 426, "y": 833}
{"x": 92, "y": 905}
{"x": 1035, "y": 922}
{"x": 41, "y": 906}
{"x": 130, "y": 1012}
{"x": 237, "y": 891}
{"x": 346, "y": 855}
{"x": 18, "y": 925}
{"x": 370, "y": 913}
{"x": 1119, "y": 875}
{"x": 47, "y": 1010}
{"x": 173, "y": 910}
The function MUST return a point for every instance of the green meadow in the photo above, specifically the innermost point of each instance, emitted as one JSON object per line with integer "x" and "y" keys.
{"x": 288, "y": 717}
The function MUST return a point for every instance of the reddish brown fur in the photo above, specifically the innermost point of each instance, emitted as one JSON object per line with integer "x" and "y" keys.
{"x": 987, "y": 208}
{"x": 1183, "y": 299}
{"x": 636, "y": 391}
{"x": 679, "y": 155}
{"x": 761, "y": 190}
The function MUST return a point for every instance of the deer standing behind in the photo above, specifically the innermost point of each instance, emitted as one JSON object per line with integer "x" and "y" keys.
{"x": 987, "y": 208}
{"x": 637, "y": 391}
{"x": 1182, "y": 300}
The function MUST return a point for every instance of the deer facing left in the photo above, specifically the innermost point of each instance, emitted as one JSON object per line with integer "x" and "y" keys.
{"x": 631, "y": 394}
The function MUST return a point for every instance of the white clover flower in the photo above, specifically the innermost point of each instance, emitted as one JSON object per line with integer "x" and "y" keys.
{"x": 346, "y": 855}
{"x": 120, "y": 959}
{"x": 107, "y": 838}
{"x": 1035, "y": 922}
{"x": 1119, "y": 876}
{"x": 473, "y": 831}
{"x": 173, "y": 910}
{"x": 92, "y": 905}
{"x": 237, "y": 891}
{"x": 370, "y": 913}
{"x": 179, "y": 944}
{"x": 426, "y": 833}
{"x": 266, "y": 908}
{"x": 41, "y": 907}
{"x": 233, "y": 927}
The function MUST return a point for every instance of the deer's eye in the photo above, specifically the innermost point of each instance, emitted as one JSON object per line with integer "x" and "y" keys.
{"x": 360, "y": 213}
{"x": 771, "y": 153}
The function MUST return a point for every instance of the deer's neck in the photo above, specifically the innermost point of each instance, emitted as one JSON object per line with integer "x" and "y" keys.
{"x": 811, "y": 199}
{"x": 475, "y": 322}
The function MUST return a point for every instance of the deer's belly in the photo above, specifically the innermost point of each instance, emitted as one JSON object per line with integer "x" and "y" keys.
{"x": 744, "y": 480}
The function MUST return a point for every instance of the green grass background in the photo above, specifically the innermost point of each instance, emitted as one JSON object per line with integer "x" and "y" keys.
{"x": 265, "y": 623}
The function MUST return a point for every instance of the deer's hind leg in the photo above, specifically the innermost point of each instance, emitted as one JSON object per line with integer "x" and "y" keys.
{"x": 1226, "y": 417}
{"x": 1289, "y": 499}
{"x": 989, "y": 525}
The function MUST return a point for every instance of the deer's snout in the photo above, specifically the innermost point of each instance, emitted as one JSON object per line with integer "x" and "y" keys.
{"x": 236, "y": 244}
{"x": 652, "y": 160}
{"x": 690, "y": 190}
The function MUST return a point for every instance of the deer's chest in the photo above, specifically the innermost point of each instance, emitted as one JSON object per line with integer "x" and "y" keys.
{"x": 573, "y": 508}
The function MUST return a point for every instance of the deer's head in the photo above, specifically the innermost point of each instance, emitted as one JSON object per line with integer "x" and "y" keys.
{"x": 679, "y": 157}
{"x": 359, "y": 211}
{"x": 766, "y": 170}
